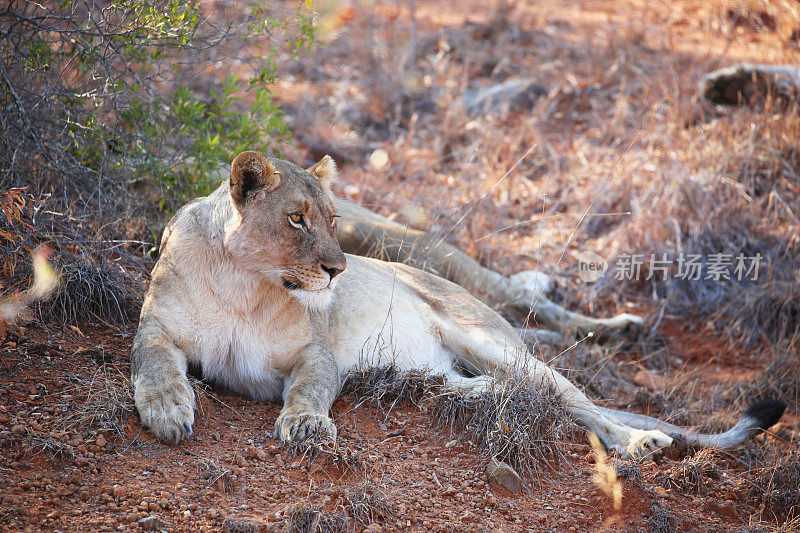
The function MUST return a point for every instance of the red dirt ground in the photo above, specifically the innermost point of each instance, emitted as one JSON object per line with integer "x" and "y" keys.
{"x": 232, "y": 474}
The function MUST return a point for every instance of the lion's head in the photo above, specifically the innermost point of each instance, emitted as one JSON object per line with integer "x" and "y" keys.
{"x": 284, "y": 228}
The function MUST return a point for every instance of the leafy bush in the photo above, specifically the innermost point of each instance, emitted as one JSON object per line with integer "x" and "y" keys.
{"x": 89, "y": 87}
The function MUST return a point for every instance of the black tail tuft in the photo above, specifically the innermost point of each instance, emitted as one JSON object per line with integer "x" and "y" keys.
{"x": 765, "y": 412}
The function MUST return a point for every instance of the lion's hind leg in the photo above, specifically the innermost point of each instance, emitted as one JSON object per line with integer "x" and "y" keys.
{"x": 479, "y": 352}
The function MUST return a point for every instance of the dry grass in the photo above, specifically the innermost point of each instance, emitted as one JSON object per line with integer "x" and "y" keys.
{"x": 592, "y": 367}
{"x": 386, "y": 386}
{"x": 331, "y": 454}
{"x": 516, "y": 421}
{"x": 779, "y": 377}
{"x": 216, "y": 475}
{"x": 777, "y": 487}
{"x": 695, "y": 474}
{"x": 660, "y": 520}
{"x": 367, "y": 504}
{"x": 108, "y": 402}
{"x": 306, "y": 519}
{"x": 56, "y": 450}
{"x": 90, "y": 290}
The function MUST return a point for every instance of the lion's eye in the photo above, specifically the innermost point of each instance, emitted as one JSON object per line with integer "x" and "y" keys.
{"x": 297, "y": 219}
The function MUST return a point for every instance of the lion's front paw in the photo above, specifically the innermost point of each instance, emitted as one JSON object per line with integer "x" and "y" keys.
{"x": 298, "y": 427}
{"x": 643, "y": 444}
{"x": 165, "y": 409}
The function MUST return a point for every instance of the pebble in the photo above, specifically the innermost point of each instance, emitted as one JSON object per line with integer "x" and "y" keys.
{"x": 151, "y": 523}
{"x": 505, "y": 476}
{"x": 379, "y": 159}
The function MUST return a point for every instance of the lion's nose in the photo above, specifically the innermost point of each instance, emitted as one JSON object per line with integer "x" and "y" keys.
{"x": 333, "y": 270}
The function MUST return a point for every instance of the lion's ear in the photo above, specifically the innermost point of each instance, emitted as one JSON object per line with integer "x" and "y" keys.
{"x": 325, "y": 171}
{"x": 251, "y": 171}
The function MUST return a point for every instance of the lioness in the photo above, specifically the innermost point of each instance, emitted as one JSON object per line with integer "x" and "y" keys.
{"x": 252, "y": 285}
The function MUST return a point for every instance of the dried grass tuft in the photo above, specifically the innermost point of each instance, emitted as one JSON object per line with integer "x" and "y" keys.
{"x": 215, "y": 474}
{"x": 90, "y": 290}
{"x": 777, "y": 487}
{"x": 368, "y": 504}
{"x": 331, "y": 454}
{"x": 695, "y": 474}
{"x": 108, "y": 403}
{"x": 308, "y": 519}
{"x": 386, "y": 386}
{"x": 515, "y": 421}
{"x": 660, "y": 520}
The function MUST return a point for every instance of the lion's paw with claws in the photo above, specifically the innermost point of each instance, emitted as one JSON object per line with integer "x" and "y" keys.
{"x": 165, "y": 408}
{"x": 301, "y": 426}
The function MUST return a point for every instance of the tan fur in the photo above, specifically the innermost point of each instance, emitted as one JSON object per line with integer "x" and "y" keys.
{"x": 256, "y": 300}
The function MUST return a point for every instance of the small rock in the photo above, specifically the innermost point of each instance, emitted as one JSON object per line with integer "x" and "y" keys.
{"x": 151, "y": 523}
{"x": 258, "y": 454}
{"x": 502, "y": 474}
{"x": 18, "y": 429}
{"x": 519, "y": 93}
{"x": 751, "y": 83}
{"x": 379, "y": 159}
{"x": 118, "y": 491}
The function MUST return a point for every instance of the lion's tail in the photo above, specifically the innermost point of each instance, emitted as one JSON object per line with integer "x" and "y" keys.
{"x": 756, "y": 418}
